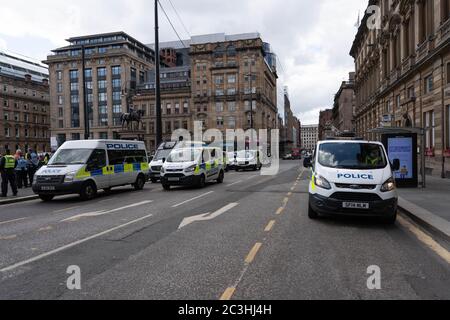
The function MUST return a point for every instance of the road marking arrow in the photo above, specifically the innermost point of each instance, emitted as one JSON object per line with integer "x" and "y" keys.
{"x": 206, "y": 216}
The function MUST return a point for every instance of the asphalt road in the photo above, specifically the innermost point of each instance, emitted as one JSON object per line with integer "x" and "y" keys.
{"x": 252, "y": 240}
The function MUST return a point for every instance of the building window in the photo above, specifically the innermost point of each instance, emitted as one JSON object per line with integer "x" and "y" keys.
{"x": 231, "y": 78}
{"x": 219, "y": 122}
{"x": 445, "y": 10}
{"x": 7, "y": 132}
{"x": 59, "y": 87}
{"x": 73, "y": 75}
{"x": 168, "y": 109}
{"x": 448, "y": 73}
{"x": 103, "y": 135}
{"x": 448, "y": 127}
{"x": 101, "y": 72}
{"x": 101, "y": 84}
{"x": 186, "y": 108}
{"x": 218, "y": 80}
{"x": 231, "y": 122}
{"x": 430, "y": 129}
{"x": 116, "y": 70}
{"x": 231, "y": 91}
{"x": 60, "y": 100}
{"x": 219, "y": 106}
{"x": 411, "y": 93}
{"x": 231, "y": 106}
{"x": 428, "y": 84}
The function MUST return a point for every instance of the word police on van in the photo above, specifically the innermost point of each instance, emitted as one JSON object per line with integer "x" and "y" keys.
{"x": 84, "y": 167}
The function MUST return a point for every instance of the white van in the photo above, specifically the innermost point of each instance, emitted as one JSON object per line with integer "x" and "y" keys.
{"x": 193, "y": 167}
{"x": 352, "y": 178}
{"x": 163, "y": 153}
{"x": 248, "y": 159}
{"x": 83, "y": 167}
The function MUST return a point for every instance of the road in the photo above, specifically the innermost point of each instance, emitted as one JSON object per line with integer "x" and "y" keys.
{"x": 250, "y": 238}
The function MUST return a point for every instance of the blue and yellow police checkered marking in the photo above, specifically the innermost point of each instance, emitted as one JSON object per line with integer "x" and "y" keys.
{"x": 112, "y": 170}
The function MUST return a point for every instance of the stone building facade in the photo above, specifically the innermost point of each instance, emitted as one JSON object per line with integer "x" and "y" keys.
{"x": 116, "y": 64}
{"x": 344, "y": 106}
{"x": 325, "y": 124}
{"x": 222, "y": 75}
{"x": 24, "y": 110}
{"x": 310, "y": 137}
{"x": 403, "y": 74}
{"x": 176, "y": 104}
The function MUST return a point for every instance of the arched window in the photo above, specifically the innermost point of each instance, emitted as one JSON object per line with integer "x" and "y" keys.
{"x": 219, "y": 51}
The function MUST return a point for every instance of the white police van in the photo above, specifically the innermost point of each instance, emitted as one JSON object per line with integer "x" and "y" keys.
{"x": 193, "y": 167}
{"x": 352, "y": 178}
{"x": 248, "y": 159}
{"x": 163, "y": 153}
{"x": 83, "y": 167}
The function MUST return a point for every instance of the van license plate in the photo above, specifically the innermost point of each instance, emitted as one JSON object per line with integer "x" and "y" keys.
{"x": 48, "y": 188}
{"x": 355, "y": 205}
{"x": 174, "y": 179}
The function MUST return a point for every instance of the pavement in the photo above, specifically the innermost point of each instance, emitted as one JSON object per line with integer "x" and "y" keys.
{"x": 429, "y": 206}
{"x": 23, "y": 195}
{"x": 249, "y": 238}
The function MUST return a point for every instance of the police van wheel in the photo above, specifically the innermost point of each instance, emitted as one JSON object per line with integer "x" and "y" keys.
{"x": 140, "y": 183}
{"x": 221, "y": 177}
{"x": 202, "y": 181}
{"x": 88, "y": 191}
{"x": 46, "y": 198}
{"x": 390, "y": 220}
{"x": 312, "y": 214}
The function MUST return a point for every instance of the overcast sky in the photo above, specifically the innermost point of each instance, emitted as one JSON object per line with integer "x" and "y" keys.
{"x": 312, "y": 38}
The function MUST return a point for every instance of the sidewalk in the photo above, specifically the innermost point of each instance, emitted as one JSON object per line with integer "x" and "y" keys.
{"x": 23, "y": 195}
{"x": 431, "y": 205}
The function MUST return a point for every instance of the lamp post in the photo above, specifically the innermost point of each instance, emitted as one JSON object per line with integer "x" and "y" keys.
{"x": 159, "y": 135}
{"x": 87, "y": 133}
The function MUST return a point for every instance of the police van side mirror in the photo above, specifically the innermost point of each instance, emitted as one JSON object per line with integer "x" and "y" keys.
{"x": 164, "y": 160}
{"x": 396, "y": 165}
{"x": 307, "y": 162}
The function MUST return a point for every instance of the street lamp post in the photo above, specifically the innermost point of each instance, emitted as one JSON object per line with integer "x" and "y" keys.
{"x": 159, "y": 136}
{"x": 87, "y": 133}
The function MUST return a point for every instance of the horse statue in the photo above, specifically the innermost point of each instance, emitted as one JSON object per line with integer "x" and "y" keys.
{"x": 131, "y": 117}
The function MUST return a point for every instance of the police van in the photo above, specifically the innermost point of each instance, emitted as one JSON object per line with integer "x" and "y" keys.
{"x": 352, "y": 178}
{"x": 163, "y": 153}
{"x": 84, "y": 167}
{"x": 248, "y": 159}
{"x": 193, "y": 167}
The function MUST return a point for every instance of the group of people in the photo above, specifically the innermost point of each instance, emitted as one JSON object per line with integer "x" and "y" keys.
{"x": 18, "y": 170}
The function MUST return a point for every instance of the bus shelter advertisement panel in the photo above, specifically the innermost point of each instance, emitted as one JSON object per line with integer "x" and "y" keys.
{"x": 402, "y": 149}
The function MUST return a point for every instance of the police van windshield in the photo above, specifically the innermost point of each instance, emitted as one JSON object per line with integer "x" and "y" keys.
{"x": 184, "y": 155}
{"x": 356, "y": 156}
{"x": 70, "y": 157}
{"x": 162, "y": 154}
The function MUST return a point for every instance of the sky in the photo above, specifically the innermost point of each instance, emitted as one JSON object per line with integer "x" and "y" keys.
{"x": 312, "y": 38}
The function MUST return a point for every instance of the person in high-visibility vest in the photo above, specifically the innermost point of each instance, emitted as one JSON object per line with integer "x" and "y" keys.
{"x": 8, "y": 165}
{"x": 373, "y": 158}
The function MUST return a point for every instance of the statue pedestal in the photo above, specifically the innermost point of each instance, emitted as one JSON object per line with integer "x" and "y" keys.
{"x": 136, "y": 135}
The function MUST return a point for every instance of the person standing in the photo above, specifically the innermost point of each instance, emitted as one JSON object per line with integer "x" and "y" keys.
{"x": 8, "y": 165}
{"x": 33, "y": 164}
{"x": 21, "y": 171}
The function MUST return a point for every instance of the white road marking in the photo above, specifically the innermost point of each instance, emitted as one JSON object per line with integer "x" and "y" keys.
{"x": 230, "y": 185}
{"x": 193, "y": 199}
{"x": 207, "y": 216}
{"x": 12, "y": 221}
{"x": 101, "y": 213}
{"x": 71, "y": 245}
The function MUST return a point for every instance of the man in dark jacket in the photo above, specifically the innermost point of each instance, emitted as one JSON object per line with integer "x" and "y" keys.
{"x": 8, "y": 165}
